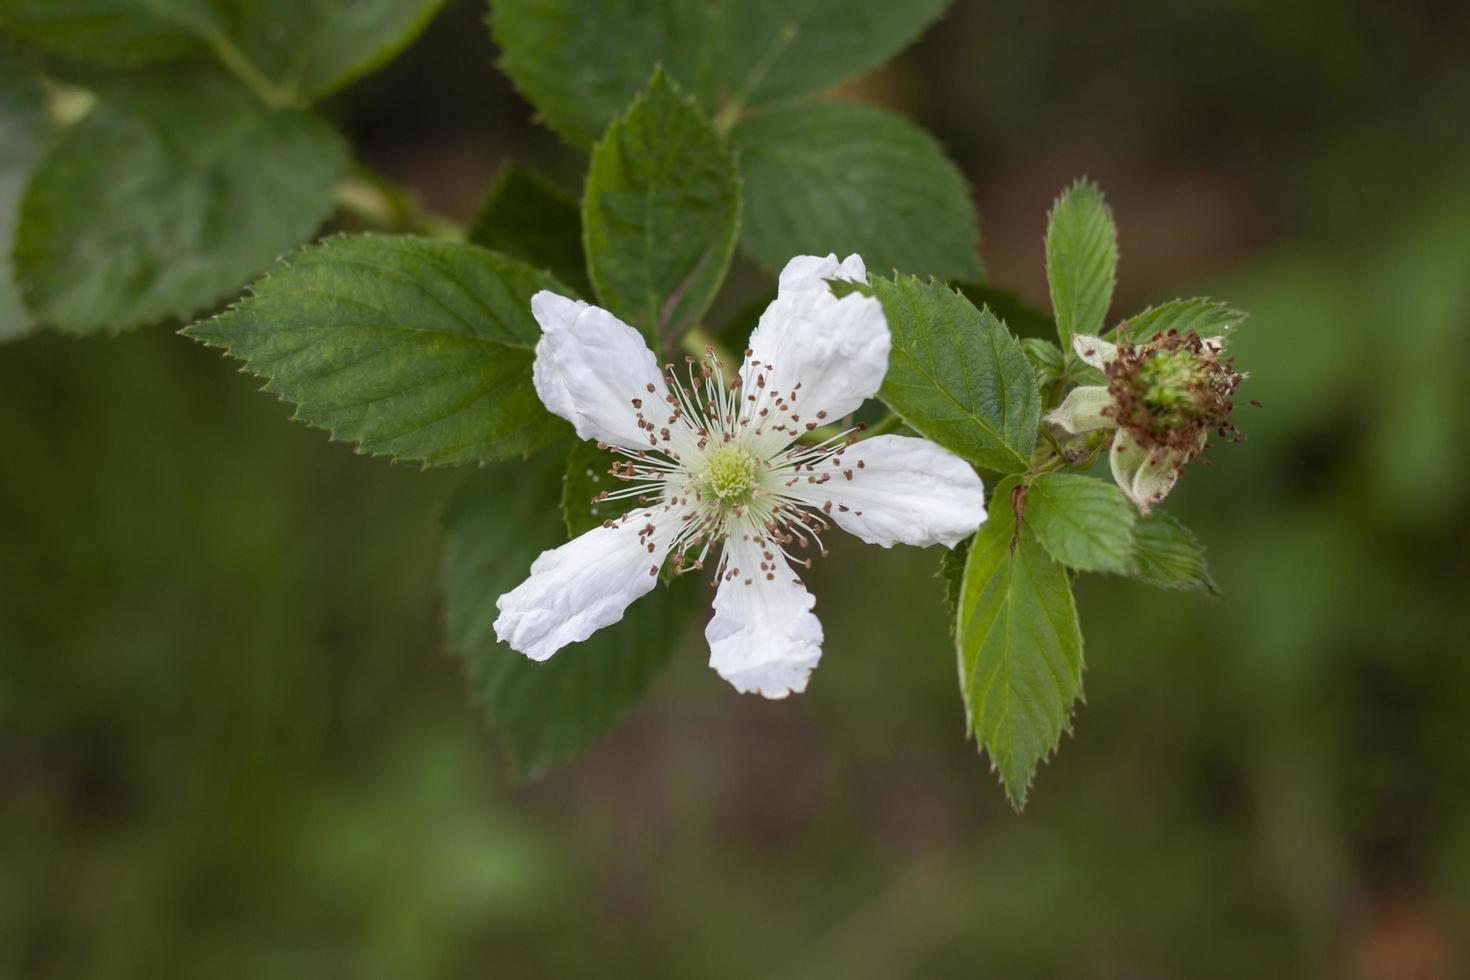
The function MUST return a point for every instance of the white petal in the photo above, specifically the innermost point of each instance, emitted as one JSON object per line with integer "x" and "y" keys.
{"x": 1145, "y": 476}
{"x": 897, "y": 490}
{"x": 1094, "y": 351}
{"x": 835, "y": 349}
{"x": 590, "y": 366}
{"x": 763, "y": 638}
{"x": 585, "y": 584}
{"x": 1082, "y": 411}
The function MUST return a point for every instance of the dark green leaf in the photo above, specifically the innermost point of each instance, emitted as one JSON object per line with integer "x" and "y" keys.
{"x": 1083, "y": 522}
{"x": 580, "y": 61}
{"x": 527, "y": 218}
{"x": 775, "y": 49}
{"x": 1020, "y": 647}
{"x": 842, "y": 177}
{"x": 502, "y": 518}
{"x": 661, "y": 212}
{"x": 1167, "y": 554}
{"x": 408, "y": 347}
{"x": 22, "y": 135}
{"x": 956, "y": 375}
{"x": 113, "y": 32}
{"x": 589, "y": 473}
{"x": 952, "y": 571}
{"x": 1081, "y": 260}
{"x": 1022, "y": 319}
{"x": 166, "y": 202}
{"x": 1204, "y": 316}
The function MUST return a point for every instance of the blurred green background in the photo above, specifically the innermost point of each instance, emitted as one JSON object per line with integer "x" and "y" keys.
{"x": 232, "y": 744}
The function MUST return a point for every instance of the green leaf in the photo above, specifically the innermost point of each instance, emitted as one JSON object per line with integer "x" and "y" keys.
{"x": 408, "y": 347}
{"x": 1167, "y": 554}
{"x": 842, "y": 177}
{"x": 112, "y": 32}
{"x": 1081, "y": 260}
{"x": 1083, "y": 522}
{"x": 1204, "y": 316}
{"x": 660, "y": 213}
{"x": 589, "y": 473}
{"x": 1020, "y": 647}
{"x": 952, "y": 571}
{"x": 527, "y": 218}
{"x": 1020, "y": 317}
{"x": 956, "y": 375}
{"x": 753, "y": 52}
{"x": 164, "y": 203}
{"x": 22, "y": 136}
{"x": 776, "y": 49}
{"x": 502, "y": 518}
{"x": 1046, "y": 358}
{"x": 304, "y": 49}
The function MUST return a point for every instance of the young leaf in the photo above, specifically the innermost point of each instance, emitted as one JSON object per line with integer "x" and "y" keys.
{"x": 775, "y": 49}
{"x": 956, "y": 375}
{"x": 1081, "y": 260}
{"x": 502, "y": 518}
{"x": 1085, "y": 523}
{"x": 1204, "y": 316}
{"x": 527, "y": 218}
{"x": 22, "y": 133}
{"x": 408, "y": 347}
{"x": 660, "y": 213}
{"x": 1046, "y": 358}
{"x": 1020, "y": 647}
{"x": 842, "y": 177}
{"x": 166, "y": 202}
{"x": 300, "y": 49}
{"x": 1167, "y": 554}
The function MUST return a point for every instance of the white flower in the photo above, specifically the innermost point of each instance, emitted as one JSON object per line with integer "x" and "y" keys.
{"x": 1163, "y": 397}
{"x": 719, "y": 470}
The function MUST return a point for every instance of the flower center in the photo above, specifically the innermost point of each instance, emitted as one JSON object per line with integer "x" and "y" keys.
{"x": 1174, "y": 385}
{"x": 730, "y": 473}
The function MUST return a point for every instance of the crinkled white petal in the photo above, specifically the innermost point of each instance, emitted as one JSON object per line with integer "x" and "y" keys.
{"x": 585, "y": 584}
{"x": 763, "y": 638}
{"x": 835, "y": 349}
{"x": 1146, "y": 476}
{"x": 896, "y": 490}
{"x": 1083, "y": 410}
{"x": 1094, "y": 351}
{"x": 590, "y": 366}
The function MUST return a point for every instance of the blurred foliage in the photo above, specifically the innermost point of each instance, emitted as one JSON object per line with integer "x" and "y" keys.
{"x": 232, "y": 745}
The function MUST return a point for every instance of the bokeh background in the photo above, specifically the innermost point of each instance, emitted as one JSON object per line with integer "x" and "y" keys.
{"x": 232, "y": 744}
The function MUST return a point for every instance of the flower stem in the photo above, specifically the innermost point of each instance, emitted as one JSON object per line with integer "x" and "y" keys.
{"x": 238, "y": 63}
{"x": 376, "y": 201}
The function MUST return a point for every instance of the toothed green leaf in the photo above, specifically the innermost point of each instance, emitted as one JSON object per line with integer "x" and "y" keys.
{"x": 527, "y": 218}
{"x": 1081, "y": 260}
{"x": 1083, "y": 522}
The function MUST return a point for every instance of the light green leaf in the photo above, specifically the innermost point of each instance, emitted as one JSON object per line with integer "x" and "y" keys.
{"x": 1204, "y": 316}
{"x": 22, "y": 137}
{"x": 1083, "y": 522}
{"x": 660, "y": 213}
{"x": 408, "y": 347}
{"x": 166, "y": 202}
{"x": 527, "y": 218}
{"x": 956, "y": 375}
{"x": 1167, "y": 554}
{"x": 842, "y": 177}
{"x": 1046, "y": 358}
{"x": 502, "y": 518}
{"x": 1020, "y": 647}
{"x": 1081, "y": 260}
{"x": 304, "y": 48}
{"x": 775, "y": 49}
{"x": 753, "y": 52}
